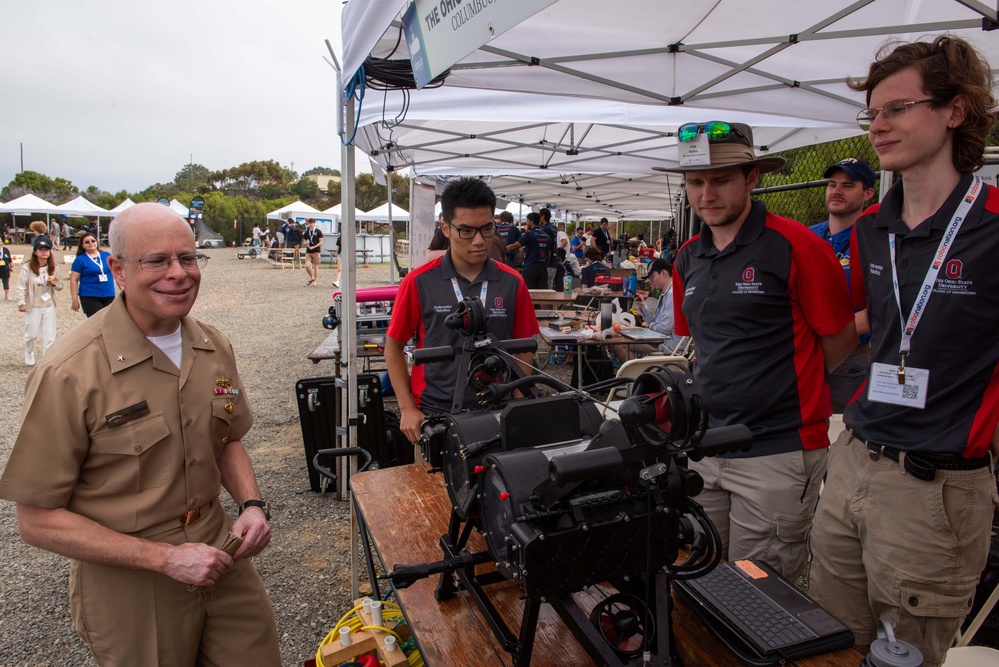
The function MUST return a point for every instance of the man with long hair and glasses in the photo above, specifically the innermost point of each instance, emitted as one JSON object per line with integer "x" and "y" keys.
{"x": 131, "y": 424}
{"x": 767, "y": 305}
{"x": 903, "y": 527}
{"x": 428, "y": 294}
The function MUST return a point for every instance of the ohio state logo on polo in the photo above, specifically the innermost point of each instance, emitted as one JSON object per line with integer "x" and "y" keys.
{"x": 756, "y": 310}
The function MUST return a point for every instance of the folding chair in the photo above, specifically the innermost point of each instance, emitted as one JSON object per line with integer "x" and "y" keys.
{"x": 632, "y": 369}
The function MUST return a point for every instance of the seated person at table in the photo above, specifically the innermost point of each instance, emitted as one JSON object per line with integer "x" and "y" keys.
{"x": 594, "y": 267}
{"x": 431, "y": 292}
{"x": 660, "y": 320}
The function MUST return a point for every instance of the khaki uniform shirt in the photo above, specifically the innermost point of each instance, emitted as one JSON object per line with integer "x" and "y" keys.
{"x": 112, "y": 430}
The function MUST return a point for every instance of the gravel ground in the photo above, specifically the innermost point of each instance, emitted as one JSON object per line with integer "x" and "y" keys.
{"x": 273, "y": 322}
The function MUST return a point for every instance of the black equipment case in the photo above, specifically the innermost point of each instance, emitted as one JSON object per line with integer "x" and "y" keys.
{"x": 377, "y": 431}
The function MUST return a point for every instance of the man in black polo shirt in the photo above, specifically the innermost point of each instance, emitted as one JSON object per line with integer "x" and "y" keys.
{"x": 903, "y": 528}
{"x": 539, "y": 248}
{"x": 431, "y": 292}
{"x": 602, "y": 237}
{"x": 767, "y": 305}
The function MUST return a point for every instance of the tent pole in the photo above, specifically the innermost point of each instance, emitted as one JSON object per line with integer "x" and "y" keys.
{"x": 348, "y": 326}
{"x": 388, "y": 184}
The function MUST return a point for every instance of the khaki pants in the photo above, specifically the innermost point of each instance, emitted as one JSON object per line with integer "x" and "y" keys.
{"x": 886, "y": 545}
{"x": 138, "y": 617}
{"x": 762, "y": 506}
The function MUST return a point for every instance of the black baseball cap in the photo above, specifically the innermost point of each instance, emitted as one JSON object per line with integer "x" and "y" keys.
{"x": 661, "y": 264}
{"x": 855, "y": 168}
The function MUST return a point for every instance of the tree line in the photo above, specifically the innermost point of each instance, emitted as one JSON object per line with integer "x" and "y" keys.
{"x": 245, "y": 193}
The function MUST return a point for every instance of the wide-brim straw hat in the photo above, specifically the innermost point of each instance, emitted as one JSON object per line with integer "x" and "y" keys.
{"x": 734, "y": 151}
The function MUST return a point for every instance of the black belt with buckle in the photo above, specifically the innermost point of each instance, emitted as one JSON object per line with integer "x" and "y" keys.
{"x": 924, "y": 466}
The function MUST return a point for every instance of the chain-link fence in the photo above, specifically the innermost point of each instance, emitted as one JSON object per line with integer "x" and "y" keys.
{"x": 806, "y": 202}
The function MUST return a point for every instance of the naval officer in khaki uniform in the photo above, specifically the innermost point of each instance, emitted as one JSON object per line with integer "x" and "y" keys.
{"x": 124, "y": 478}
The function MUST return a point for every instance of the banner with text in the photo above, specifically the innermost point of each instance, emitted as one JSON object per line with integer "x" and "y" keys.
{"x": 439, "y": 33}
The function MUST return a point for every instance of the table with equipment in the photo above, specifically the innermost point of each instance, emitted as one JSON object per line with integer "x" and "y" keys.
{"x": 403, "y": 511}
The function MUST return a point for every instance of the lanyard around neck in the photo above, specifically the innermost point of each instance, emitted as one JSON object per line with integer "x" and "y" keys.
{"x": 99, "y": 262}
{"x": 461, "y": 297}
{"x": 919, "y": 306}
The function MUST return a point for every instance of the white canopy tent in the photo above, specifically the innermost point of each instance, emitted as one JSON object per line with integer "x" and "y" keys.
{"x": 549, "y": 151}
{"x": 83, "y": 207}
{"x": 775, "y": 57}
{"x": 28, "y": 204}
{"x": 769, "y": 56}
{"x": 180, "y": 209}
{"x": 128, "y": 203}
{"x": 381, "y": 214}
{"x": 296, "y": 209}
{"x": 335, "y": 211}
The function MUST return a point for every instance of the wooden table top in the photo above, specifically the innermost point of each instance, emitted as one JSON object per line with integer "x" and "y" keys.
{"x": 407, "y": 509}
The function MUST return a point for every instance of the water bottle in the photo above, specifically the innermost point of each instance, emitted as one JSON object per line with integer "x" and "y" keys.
{"x": 567, "y": 284}
{"x": 632, "y": 283}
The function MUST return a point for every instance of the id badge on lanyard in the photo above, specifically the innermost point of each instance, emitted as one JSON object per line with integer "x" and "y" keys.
{"x": 902, "y": 385}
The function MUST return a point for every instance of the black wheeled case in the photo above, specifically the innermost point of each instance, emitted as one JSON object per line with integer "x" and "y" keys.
{"x": 319, "y": 413}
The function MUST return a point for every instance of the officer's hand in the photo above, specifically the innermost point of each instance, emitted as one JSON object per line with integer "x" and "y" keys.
{"x": 197, "y": 564}
{"x": 253, "y": 528}
{"x": 410, "y": 424}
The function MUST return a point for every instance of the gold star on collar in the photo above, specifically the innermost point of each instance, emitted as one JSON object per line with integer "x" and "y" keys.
{"x": 206, "y": 341}
{"x": 121, "y": 357}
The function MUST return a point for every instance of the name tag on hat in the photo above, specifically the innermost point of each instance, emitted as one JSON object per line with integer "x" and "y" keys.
{"x": 694, "y": 153}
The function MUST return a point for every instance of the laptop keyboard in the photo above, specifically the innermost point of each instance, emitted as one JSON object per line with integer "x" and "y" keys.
{"x": 773, "y": 625}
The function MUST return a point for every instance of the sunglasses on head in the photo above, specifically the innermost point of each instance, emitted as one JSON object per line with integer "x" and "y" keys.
{"x": 716, "y": 130}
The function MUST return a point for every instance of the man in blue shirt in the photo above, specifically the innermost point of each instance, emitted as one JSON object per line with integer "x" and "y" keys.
{"x": 659, "y": 320}
{"x": 577, "y": 244}
{"x": 851, "y": 185}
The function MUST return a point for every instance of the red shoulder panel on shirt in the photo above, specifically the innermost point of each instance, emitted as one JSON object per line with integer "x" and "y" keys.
{"x": 992, "y": 203}
{"x": 871, "y": 210}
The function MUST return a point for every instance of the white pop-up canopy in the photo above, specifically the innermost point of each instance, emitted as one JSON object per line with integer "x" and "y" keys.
{"x": 128, "y": 203}
{"x": 28, "y": 204}
{"x": 296, "y": 209}
{"x": 381, "y": 214}
{"x": 769, "y": 56}
{"x": 82, "y": 207}
{"x": 180, "y": 209}
{"x": 335, "y": 211}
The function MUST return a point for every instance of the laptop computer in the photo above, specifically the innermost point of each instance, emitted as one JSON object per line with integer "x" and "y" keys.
{"x": 760, "y": 615}
{"x": 639, "y": 333}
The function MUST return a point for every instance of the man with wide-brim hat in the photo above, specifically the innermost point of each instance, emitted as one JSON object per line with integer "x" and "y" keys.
{"x": 767, "y": 305}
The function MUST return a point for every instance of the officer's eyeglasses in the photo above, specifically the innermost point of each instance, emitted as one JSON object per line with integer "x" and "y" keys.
{"x": 892, "y": 111}
{"x": 160, "y": 264}
{"x": 468, "y": 233}
{"x": 716, "y": 130}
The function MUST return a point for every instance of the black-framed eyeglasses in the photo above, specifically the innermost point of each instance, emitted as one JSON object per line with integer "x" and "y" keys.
{"x": 468, "y": 233}
{"x": 716, "y": 130}
{"x": 160, "y": 264}
{"x": 891, "y": 111}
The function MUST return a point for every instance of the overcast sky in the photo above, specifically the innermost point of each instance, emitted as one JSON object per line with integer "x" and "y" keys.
{"x": 119, "y": 94}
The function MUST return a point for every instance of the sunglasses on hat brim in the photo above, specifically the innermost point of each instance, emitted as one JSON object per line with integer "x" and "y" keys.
{"x": 716, "y": 130}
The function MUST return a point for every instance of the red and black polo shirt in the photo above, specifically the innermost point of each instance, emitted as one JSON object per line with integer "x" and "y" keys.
{"x": 426, "y": 297}
{"x": 957, "y": 339}
{"x": 756, "y": 310}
